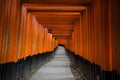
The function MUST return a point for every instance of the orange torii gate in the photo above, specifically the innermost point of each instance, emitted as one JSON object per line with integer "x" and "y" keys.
{"x": 88, "y": 28}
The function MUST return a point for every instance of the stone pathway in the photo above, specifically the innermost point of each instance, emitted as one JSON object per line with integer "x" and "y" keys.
{"x": 57, "y": 69}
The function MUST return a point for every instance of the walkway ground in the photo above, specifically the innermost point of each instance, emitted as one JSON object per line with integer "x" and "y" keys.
{"x": 57, "y": 69}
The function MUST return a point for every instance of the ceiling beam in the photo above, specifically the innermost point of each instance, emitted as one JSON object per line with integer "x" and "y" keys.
{"x": 58, "y": 34}
{"x": 56, "y": 13}
{"x": 75, "y": 2}
{"x": 53, "y": 7}
{"x": 61, "y": 36}
{"x": 59, "y": 25}
{"x": 44, "y": 23}
{"x": 61, "y": 29}
{"x": 61, "y": 32}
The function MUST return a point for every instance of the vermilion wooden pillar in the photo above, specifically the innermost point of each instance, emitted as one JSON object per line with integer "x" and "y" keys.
{"x": 114, "y": 31}
{"x": 80, "y": 35}
{"x": 101, "y": 34}
{"x": 9, "y": 23}
{"x": 22, "y": 33}
{"x": 29, "y": 34}
{"x": 77, "y": 27}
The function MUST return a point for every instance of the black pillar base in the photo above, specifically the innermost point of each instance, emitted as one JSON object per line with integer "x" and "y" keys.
{"x": 21, "y": 69}
{"x": 90, "y": 70}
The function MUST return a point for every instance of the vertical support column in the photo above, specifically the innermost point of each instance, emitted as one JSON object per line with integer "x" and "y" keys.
{"x": 81, "y": 33}
{"x": 23, "y": 32}
{"x": 114, "y": 31}
{"x": 100, "y": 38}
{"x": 10, "y": 11}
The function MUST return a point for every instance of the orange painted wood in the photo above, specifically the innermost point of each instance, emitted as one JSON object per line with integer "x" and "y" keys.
{"x": 4, "y": 32}
{"x": 92, "y": 33}
{"x": 94, "y": 36}
{"x": 21, "y": 40}
{"x": 1, "y": 27}
{"x": 101, "y": 34}
{"x": 75, "y": 2}
{"x": 40, "y": 39}
{"x": 29, "y": 33}
{"x": 54, "y": 7}
{"x": 13, "y": 29}
{"x": 9, "y": 21}
{"x": 114, "y": 31}
{"x": 23, "y": 33}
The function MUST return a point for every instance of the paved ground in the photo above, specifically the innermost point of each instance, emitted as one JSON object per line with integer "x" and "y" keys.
{"x": 57, "y": 69}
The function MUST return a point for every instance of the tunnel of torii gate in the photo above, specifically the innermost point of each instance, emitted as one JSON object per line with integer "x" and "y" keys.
{"x": 89, "y": 29}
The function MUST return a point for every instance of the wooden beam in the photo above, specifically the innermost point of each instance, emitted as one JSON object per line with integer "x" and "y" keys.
{"x": 61, "y": 29}
{"x": 44, "y": 23}
{"x": 58, "y": 25}
{"x": 56, "y": 20}
{"x": 61, "y": 36}
{"x": 54, "y": 7}
{"x": 61, "y": 32}
{"x": 45, "y": 16}
{"x": 56, "y": 13}
{"x": 56, "y": 16}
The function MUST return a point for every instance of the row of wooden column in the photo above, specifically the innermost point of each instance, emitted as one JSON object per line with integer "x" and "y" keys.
{"x": 96, "y": 36}
{"x": 20, "y": 33}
